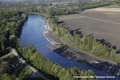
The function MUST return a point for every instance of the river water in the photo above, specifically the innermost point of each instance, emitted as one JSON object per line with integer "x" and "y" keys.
{"x": 32, "y": 33}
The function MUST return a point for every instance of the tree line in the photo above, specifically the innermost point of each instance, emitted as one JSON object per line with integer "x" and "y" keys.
{"x": 74, "y": 7}
{"x": 85, "y": 44}
{"x": 49, "y": 68}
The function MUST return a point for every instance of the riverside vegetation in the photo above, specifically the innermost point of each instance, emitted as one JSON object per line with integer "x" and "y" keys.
{"x": 87, "y": 44}
{"x": 10, "y": 24}
{"x": 49, "y": 68}
{"x": 12, "y": 16}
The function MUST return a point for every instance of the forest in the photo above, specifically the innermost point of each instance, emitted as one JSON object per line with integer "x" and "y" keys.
{"x": 12, "y": 69}
{"x": 10, "y": 24}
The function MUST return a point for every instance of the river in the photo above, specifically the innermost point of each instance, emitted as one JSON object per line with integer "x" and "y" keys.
{"x": 32, "y": 33}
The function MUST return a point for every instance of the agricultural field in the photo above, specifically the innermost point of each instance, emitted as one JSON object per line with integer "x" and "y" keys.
{"x": 101, "y": 23}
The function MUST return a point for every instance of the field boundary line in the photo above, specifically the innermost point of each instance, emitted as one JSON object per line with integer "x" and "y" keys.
{"x": 100, "y": 20}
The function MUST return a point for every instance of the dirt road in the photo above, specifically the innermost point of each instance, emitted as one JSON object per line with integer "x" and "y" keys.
{"x": 35, "y": 73}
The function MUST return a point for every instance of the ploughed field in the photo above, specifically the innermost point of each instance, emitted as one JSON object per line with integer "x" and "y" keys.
{"x": 101, "y": 23}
